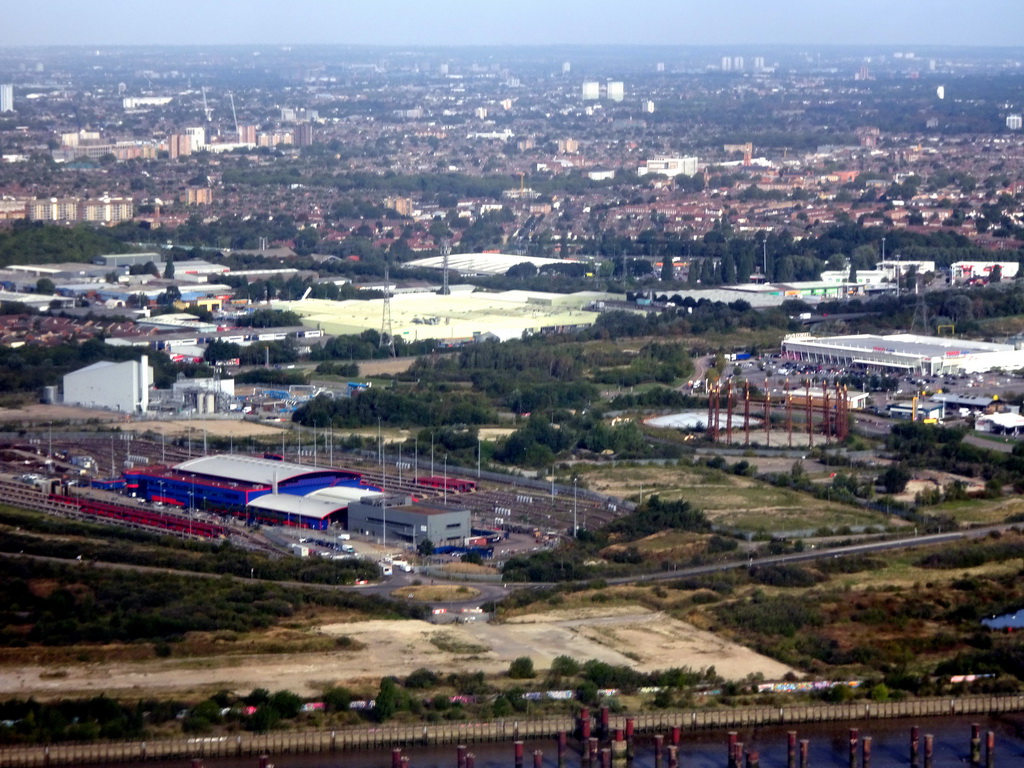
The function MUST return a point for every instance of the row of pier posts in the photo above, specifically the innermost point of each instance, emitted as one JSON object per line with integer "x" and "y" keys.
{"x": 620, "y": 749}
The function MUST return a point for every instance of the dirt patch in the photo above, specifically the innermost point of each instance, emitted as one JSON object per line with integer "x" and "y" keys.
{"x": 442, "y": 593}
{"x": 632, "y": 636}
{"x": 195, "y": 427}
{"x": 42, "y": 413}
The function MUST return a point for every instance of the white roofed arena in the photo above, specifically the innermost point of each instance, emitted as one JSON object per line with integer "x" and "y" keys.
{"x": 905, "y": 352}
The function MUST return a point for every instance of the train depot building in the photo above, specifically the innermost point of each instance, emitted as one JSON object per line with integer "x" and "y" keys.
{"x": 260, "y": 490}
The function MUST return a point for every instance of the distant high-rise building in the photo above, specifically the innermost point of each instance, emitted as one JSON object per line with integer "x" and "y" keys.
{"x": 6, "y": 97}
{"x": 591, "y": 91}
{"x": 759, "y": 63}
{"x": 566, "y": 67}
{"x": 659, "y": 67}
{"x": 1014, "y": 122}
{"x": 737, "y": 63}
{"x": 304, "y": 135}
{"x": 198, "y": 136}
{"x": 727, "y": 63}
{"x": 480, "y": 113}
{"x": 179, "y": 145}
{"x": 616, "y": 90}
{"x": 247, "y": 134}
{"x": 197, "y": 196}
{"x": 648, "y": 107}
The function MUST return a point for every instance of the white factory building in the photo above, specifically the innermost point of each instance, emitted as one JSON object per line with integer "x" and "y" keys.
{"x": 120, "y": 387}
{"x": 906, "y": 352}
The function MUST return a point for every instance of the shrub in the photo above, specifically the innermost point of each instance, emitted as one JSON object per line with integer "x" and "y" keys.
{"x": 521, "y": 668}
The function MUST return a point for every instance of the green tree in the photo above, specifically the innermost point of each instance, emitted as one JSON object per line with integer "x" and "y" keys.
{"x": 169, "y": 269}
{"x": 45, "y": 286}
{"x": 667, "y": 268}
{"x": 386, "y": 703}
{"x": 521, "y": 668}
{"x": 996, "y": 275}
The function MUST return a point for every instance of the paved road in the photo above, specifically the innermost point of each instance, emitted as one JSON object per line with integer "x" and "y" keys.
{"x": 494, "y": 591}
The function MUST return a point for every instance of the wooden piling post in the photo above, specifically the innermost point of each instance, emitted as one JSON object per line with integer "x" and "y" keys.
{"x": 673, "y": 756}
{"x": 990, "y": 749}
{"x": 915, "y": 746}
{"x": 733, "y": 738}
{"x": 753, "y": 760}
{"x": 866, "y": 752}
{"x": 975, "y": 745}
{"x": 396, "y": 757}
{"x": 854, "y": 740}
{"x": 563, "y": 741}
{"x": 517, "y": 747}
{"x": 805, "y": 750}
{"x": 659, "y": 748}
{"x": 929, "y": 751}
{"x": 538, "y": 758}
{"x": 791, "y": 749}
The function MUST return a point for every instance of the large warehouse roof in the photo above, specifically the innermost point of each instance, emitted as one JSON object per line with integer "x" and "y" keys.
{"x": 484, "y": 263}
{"x": 248, "y": 469}
{"x": 288, "y": 504}
{"x": 455, "y": 317}
{"x": 341, "y": 495}
{"x": 907, "y": 351}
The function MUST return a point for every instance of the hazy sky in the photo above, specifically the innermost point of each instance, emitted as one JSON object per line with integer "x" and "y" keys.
{"x": 528, "y": 22}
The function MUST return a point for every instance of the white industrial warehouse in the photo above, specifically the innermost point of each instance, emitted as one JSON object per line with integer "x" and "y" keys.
{"x": 485, "y": 263}
{"x": 905, "y": 352}
{"x": 123, "y": 387}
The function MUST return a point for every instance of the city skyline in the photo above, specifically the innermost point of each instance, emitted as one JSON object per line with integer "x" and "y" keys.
{"x": 531, "y": 22}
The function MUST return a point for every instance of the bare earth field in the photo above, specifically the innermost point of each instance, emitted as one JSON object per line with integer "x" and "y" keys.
{"x": 633, "y": 636}
{"x": 195, "y": 427}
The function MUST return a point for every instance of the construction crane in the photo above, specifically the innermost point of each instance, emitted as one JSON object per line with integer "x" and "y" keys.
{"x": 232, "y": 97}
{"x": 206, "y": 108}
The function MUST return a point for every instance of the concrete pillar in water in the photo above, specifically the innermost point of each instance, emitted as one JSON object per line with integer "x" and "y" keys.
{"x": 753, "y": 760}
{"x": 619, "y": 744}
{"x": 915, "y": 746}
{"x": 659, "y": 748}
{"x": 396, "y": 757}
{"x": 563, "y": 741}
{"x": 805, "y": 751}
{"x": 264, "y": 761}
{"x": 677, "y": 735}
{"x": 517, "y": 747}
{"x": 197, "y": 763}
{"x": 538, "y": 758}
{"x": 990, "y": 749}
{"x": 592, "y": 749}
{"x": 737, "y": 755}
{"x": 854, "y": 740}
{"x": 603, "y": 732}
{"x": 673, "y": 756}
{"x": 630, "y": 730}
{"x": 469, "y": 761}
{"x": 791, "y": 749}
{"x": 584, "y": 724}
{"x": 606, "y": 758}
{"x": 460, "y": 755}
{"x": 731, "y": 746}
{"x": 929, "y": 751}
{"x": 866, "y": 750}
{"x": 975, "y": 745}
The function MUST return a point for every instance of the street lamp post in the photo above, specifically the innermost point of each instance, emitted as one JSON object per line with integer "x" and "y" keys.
{"x": 446, "y": 479}
{"x": 575, "y": 529}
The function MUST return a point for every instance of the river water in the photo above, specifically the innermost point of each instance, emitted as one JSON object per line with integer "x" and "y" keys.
{"x": 829, "y": 748}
